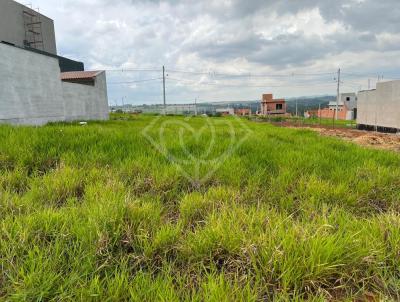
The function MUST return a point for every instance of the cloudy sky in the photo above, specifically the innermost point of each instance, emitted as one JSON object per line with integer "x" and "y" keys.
{"x": 224, "y": 50}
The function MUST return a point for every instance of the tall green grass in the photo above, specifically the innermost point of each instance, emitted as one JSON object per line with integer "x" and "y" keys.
{"x": 313, "y": 121}
{"x": 96, "y": 213}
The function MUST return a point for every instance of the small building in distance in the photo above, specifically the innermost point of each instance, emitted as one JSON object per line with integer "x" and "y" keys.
{"x": 311, "y": 114}
{"x": 225, "y": 111}
{"x": 347, "y": 108}
{"x": 271, "y": 106}
{"x": 243, "y": 112}
{"x": 379, "y": 109}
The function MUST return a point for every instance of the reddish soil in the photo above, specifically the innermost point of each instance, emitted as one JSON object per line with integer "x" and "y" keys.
{"x": 364, "y": 138}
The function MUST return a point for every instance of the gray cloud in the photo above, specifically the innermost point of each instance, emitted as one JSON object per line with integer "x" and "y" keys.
{"x": 372, "y": 16}
{"x": 291, "y": 50}
{"x": 255, "y": 35}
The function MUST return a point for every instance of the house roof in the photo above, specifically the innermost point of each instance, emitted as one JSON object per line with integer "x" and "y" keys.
{"x": 79, "y": 75}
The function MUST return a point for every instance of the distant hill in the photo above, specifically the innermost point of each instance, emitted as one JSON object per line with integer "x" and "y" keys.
{"x": 308, "y": 103}
{"x": 303, "y": 103}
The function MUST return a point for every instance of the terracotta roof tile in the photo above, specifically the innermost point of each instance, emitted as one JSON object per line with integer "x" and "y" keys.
{"x": 79, "y": 75}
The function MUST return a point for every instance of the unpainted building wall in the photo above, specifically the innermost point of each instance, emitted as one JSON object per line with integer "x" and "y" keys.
{"x": 352, "y": 104}
{"x": 380, "y": 107}
{"x": 270, "y": 107}
{"x": 32, "y": 93}
{"x": 388, "y": 98}
{"x": 367, "y": 108}
{"x": 12, "y": 28}
{"x": 30, "y": 87}
{"x": 86, "y": 102}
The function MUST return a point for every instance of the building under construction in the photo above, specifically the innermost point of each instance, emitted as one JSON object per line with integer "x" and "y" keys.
{"x": 25, "y": 27}
{"x": 273, "y": 107}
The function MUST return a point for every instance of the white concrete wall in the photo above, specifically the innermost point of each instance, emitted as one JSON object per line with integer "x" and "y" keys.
{"x": 30, "y": 87}
{"x": 352, "y": 103}
{"x": 349, "y": 115}
{"x": 380, "y": 107}
{"x": 388, "y": 99}
{"x": 32, "y": 93}
{"x": 83, "y": 102}
{"x": 230, "y": 111}
{"x": 367, "y": 108}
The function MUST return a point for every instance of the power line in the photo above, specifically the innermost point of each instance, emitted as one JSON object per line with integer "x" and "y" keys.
{"x": 375, "y": 76}
{"x": 241, "y": 80}
{"x": 132, "y": 70}
{"x": 351, "y": 84}
{"x": 191, "y": 82}
{"x": 136, "y": 81}
{"x": 360, "y": 74}
{"x": 241, "y": 75}
{"x": 248, "y": 75}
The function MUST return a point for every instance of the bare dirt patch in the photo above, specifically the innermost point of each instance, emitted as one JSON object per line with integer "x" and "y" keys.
{"x": 364, "y": 138}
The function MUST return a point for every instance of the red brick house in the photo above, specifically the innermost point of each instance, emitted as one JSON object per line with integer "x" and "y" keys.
{"x": 271, "y": 106}
{"x": 347, "y": 108}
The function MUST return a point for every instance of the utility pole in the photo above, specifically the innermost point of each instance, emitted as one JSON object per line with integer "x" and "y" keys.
{"x": 296, "y": 109}
{"x": 369, "y": 84}
{"x": 195, "y": 106}
{"x": 338, "y": 95}
{"x": 319, "y": 112}
{"x": 165, "y": 103}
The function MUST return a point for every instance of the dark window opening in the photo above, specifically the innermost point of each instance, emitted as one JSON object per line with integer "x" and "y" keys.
{"x": 89, "y": 82}
{"x": 279, "y": 106}
{"x": 348, "y": 99}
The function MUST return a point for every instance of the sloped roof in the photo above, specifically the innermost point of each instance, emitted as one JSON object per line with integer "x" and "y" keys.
{"x": 79, "y": 75}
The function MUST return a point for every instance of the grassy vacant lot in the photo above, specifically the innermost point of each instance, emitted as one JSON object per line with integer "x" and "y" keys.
{"x": 95, "y": 213}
